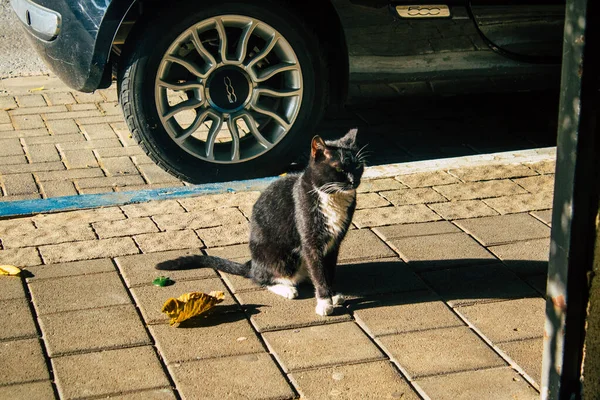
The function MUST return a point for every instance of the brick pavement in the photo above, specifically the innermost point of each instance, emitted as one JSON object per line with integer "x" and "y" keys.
{"x": 445, "y": 271}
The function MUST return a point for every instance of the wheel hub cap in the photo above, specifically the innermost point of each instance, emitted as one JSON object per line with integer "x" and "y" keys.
{"x": 228, "y": 89}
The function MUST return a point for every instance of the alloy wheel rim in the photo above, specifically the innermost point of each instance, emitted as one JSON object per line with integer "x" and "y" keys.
{"x": 228, "y": 89}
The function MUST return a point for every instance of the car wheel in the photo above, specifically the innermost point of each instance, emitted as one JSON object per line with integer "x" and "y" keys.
{"x": 222, "y": 91}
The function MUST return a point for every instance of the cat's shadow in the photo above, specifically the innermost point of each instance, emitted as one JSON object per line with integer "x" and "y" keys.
{"x": 221, "y": 315}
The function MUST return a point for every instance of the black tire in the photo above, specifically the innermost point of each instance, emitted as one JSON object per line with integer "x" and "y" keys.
{"x": 141, "y": 58}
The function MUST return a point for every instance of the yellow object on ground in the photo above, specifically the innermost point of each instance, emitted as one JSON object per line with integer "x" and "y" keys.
{"x": 189, "y": 305}
{"x": 9, "y": 270}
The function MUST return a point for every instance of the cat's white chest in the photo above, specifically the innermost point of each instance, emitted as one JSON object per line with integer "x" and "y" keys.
{"x": 335, "y": 209}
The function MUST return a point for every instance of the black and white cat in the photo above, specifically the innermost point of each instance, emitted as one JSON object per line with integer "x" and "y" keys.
{"x": 298, "y": 224}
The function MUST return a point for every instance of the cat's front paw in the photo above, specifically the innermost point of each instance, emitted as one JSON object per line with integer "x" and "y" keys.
{"x": 338, "y": 299}
{"x": 324, "y": 307}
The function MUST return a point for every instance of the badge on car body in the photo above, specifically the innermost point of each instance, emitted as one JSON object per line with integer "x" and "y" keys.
{"x": 424, "y": 11}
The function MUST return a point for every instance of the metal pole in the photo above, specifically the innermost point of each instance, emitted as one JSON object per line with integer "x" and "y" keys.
{"x": 575, "y": 206}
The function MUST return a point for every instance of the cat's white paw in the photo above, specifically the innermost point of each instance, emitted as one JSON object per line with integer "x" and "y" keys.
{"x": 289, "y": 292}
{"x": 324, "y": 307}
{"x": 338, "y": 299}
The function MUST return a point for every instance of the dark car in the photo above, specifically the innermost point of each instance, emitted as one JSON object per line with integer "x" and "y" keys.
{"x": 229, "y": 89}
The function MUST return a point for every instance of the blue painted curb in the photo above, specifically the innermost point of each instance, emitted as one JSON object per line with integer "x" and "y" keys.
{"x": 79, "y": 202}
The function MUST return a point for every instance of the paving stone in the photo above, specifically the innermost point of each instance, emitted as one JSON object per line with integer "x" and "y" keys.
{"x": 537, "y": 184}
{"x": 119, "y": 166}
{"x": 91, "y": 144}
{"x": 150, "y": 299}
{"x": 154, "y": 174}
{"x": 51, "y": 139}
{"x": 172, "y": 240}
{"x": 376, "y": 185}
{"x": 23, "y": 257}
{"x": 201, "y": 219}
{"x": 528, "y": 355}
{"x": 525, "y": 257}
{"x": 27, "y": 133}
{"x": 48, "y": 236}
{"x": 508, "y": 320}
{"x": 441, "y": 251}
{"x": 78, "y": 293}
{"x": 126, "y": 369}
{"x": 543, "y": 167}
{"x": 16, "y": 226}
{"x": 93, "y": 330}
{"x": 363, "y": 244}
{"x": 7, "y": 102}
{"x": 504, "y": 229}
{"x": 19, "y": 322}
{"x": 205, "y": 337}
{"x": 320, "y": 346}
{"x": 78, "y": 217}
{"x": 375, "y": 277}
{"x": 370, "y": 200}
{"x": 409, "y": 230}
{"x": 403, "y": 312}
{"x": 225, "y": 235}
{"x": 155, "y": 394}
{"x": 38, "y": 110}
{"x": 204, "y": 379}
{"x": 413, "y": 196}
{"x": 487, "y": 172}
{"x": 439, "y": 351}
{"x": 544, "y": 215}
{"x": 424, "y": 179}
{"x": 58, "y": 189}
{"x": 462, "y": 209}
{"x": 480, "y": 190}
{"x": 82, "y": 107}
{"x": 19, "y": 197}
{"x": 70, "y": 174}
{"x": 28, "y": 168}
{"x": 269, "y": 312}
{"x": 153, "y": 208}
{"x": 19, "y": 184}
{"x": 4, "y": 118}
{"x": 22, "y": 361}
{"x": 374, "y": 380}
{"x": 87, "y": 267}
{"x": 111, "y": 108}
{"x": 96, "y": 190}
{"x": 110, "y": 94}
{"x": 59, "y": 98}
{"x": 98, "y": 131}
{"x": 141, "y": 159}
{"x": 124, "y": 227}
{"x": 477, "y": 284}
{"x": 88, "y": 249}
{"x": 209, "y": 202}
{"x": 33, "y": 121}
{"x": 31, "y": 100}
{"x": 110, "y": 181}
{"x": 394, "y": 215}
{"x": 119, "y": 152}
{"x": 520, "y": 203}
{"x": 10, "y": 147}
{"x": 140, "y": 269}
{"x": 9, "y": 161}
{"x": 6, "y": 127}
{"x": 104, "y": 119}
{"x": 80, "y": 159}
{"x": 62, "y": 127}
{"x": 28, "y": 391}
{"x": 95, "y": 97}
{"x": 492, "y": 384}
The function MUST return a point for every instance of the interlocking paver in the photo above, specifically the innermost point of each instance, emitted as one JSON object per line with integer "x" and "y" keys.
{"x": 544, "y": 215}
{"x": 31, "y": 100}
{"x": 80, "y": 159}
{"x": 394, "y": 215}
{"x": 439, "y": 351}
{"x": 70, "y": 137}
{"x": 18, "y": 184}
{"x": 58, "y": 189}
{"x": 496, "y": 383}
{"x": 424, "y": 179}
{"x": 508, "y": 320}
{"x": 82, "y": 107}
{"x": 376, "y": 185}
{"x": 370, "y": 200}
{"x": 88, "y": 249}
{"x": 441, "y": 251}
{"x": 153, "y": 394}
{"x": 119, "y": 152}
{"x": 362, "y": 244}
{"x": 119, "y": 166}
{"x": 38, "y": 110}
{"x": 204, "y": 379}
{"x": 219, "y": 201}
{"x": 62, "y": 127}
{"x": 505, "y": 228}
{"x": 16, "y": 226}
{"x": 48, "y": 236}
{"x": 413, "y": 196}
{"x": 154, "y": 174}
{"x": 22, "y": 361}
{"x": 10, "y": 147}
{"x": 29, "y": 121}
{"x": 477, "y": 284}
{"x": 126, "y": 369}
{"x": 19, "y": 322}
{"x": 537, "y": 184}
{"x": 7, "y": 102}
{"x": 172, "y": 240}
{"x": 463, "y": 209}
{"x": 84, "y": 292}
{"x": 139, "y": 269}
{"x": 124, "y": 227}
{"x": 408, "y": 230}
{"x": 78, "y": 217}
{"x": 480, "y": 190}
{"x": 520, "y": 203}
{"x": 70, "y": 269}
{"x": 98, "y": 131}
{"x": 487, "y": 172}
{"x": 91, "y": 144}
{"x": 225, "y": 235}
{"x": 110, "y": 181}
{"x": 150, "y": 299}
{"x": 525, "y": 257}
{"x": 93, "y": 330}
{"x": 528, "y": 355}
{"x": 320, "y": 346}
{"x": 205, "y": 337}
{"x": 95, "y": 97}
{"x": 59, "y": 98}
{"x": 28, "y": 391}
{"x": 403, "y": 312}
{"x": 374, "y": 380}
{"x": 201, "y": 219}
{"x": 543, "y": 167}
{"x": 269, "y": 311}
{"x": 11, "y": 160}
{"x": 36, "y": 168}
{"x": 153, "y": 208}
{"x": 111, "y": 108}
{"x": 23, "y": 257}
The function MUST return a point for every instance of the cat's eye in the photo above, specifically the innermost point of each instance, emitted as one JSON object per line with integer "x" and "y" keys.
{"x": 338, "y": 169}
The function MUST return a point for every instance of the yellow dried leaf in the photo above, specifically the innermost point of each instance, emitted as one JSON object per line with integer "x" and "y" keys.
{"x": 9, "y": 270}
{"x": 37, "y": 89}
{"x": 189, "y": 305}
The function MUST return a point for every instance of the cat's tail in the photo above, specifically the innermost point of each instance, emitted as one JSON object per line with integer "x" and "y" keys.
{"x": 198, "y": 261}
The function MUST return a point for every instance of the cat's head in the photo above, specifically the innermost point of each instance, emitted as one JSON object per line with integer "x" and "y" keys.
{"x": 337, "y": 165}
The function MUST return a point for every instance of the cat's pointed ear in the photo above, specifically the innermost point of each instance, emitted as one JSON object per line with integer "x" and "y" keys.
{"x": 349, "y": 139}
{"x": 317, "y": 146}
